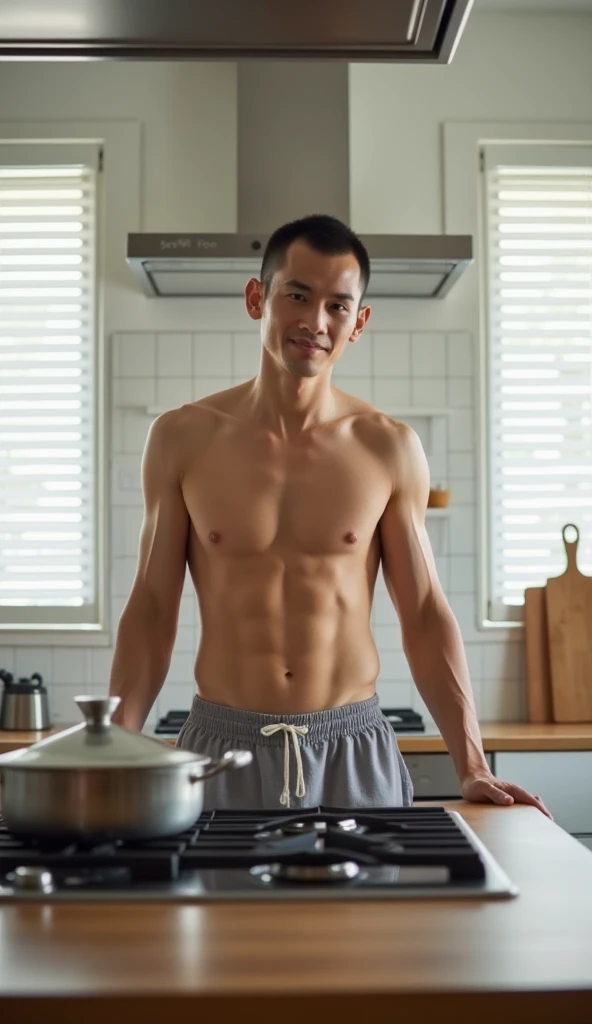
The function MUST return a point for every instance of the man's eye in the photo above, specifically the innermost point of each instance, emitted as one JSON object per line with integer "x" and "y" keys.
{"x": 341, "y": 308}
{"x": 295, "y": 295}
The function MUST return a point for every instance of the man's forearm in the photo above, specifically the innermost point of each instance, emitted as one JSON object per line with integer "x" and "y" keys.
{"x": 140, "y": 664}
{"x": 439, "y": 667}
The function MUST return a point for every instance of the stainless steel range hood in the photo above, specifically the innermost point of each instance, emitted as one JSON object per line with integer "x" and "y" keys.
{"x": 293, "y": 124}
{"x": 415, "y": 31}
{"x": 183, "y": 266}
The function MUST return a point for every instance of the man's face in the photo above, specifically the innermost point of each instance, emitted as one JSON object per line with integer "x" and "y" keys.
{"x": 311, "y": 311}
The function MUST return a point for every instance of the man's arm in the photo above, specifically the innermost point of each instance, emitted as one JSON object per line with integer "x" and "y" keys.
{"x": 148, "y": 624}
{"x": 431, "y": 636}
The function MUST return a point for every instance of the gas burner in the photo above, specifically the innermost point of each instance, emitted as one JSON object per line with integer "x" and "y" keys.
{"x": 31, "y": 879}
{"x": 346, "y": 871}
{"x": 298, "y": 827}
{"x": 309, "y": 826}
{"x": 103, "y": 877}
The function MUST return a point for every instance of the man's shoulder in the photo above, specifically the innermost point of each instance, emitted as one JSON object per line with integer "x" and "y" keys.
{"x": 199, "y": 419}
{"x": 383, "y": 432}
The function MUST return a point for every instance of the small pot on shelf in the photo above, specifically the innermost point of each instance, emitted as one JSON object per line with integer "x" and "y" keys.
{"x": 438, "y": 497}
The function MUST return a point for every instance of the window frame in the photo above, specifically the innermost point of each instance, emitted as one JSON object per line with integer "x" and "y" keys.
{"x": 518, "y": 155}
{"x": 119, "y": 213}
{"x": 53, "y": 155}
{"x": 463, "y": 214}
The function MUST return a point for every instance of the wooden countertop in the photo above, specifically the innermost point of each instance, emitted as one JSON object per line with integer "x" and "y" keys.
{"x": 522, "y": 959}
{"x": 495, "y": 735}
{"x": 511, "y": 736}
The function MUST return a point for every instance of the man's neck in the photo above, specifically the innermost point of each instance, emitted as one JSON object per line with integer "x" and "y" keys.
{"x": 288, "y": 405}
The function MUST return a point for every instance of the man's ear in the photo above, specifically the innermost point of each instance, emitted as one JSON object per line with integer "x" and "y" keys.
{"x": 254, "y": 296}
{"x": 361, "y": 321}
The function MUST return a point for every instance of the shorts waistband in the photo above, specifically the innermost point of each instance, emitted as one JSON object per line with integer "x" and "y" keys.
{"x": 234, "y": 724}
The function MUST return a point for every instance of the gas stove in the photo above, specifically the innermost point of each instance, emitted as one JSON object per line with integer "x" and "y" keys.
{"x": 319, "y": 853}
{"x": 403, "y": 720}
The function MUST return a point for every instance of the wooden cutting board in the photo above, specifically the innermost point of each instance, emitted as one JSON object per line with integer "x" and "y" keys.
{"x": 538, "y": 671}
{"x": 569, "y": 621}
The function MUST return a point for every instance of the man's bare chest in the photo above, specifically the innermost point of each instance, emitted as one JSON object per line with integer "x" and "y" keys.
{"x": 245, "y": 498}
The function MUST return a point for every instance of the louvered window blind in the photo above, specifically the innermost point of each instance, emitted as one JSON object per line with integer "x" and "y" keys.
{"x": 48, "y": 536}
{"x": 538, "y": 229}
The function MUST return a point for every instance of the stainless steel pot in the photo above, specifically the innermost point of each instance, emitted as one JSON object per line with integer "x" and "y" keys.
{"x": 24, "y": 703}
{"x": 98, "y": 781}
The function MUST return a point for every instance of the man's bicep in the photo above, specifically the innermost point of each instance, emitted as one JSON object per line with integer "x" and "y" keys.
{"x": 165, "y": 526}
{"x": 407, "y": 558}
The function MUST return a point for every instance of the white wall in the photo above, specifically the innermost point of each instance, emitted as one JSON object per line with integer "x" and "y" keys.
{"x": 507, "y": 68}
{"x": 188, "y": 114}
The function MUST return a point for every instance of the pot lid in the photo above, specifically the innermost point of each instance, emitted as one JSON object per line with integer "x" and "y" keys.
{"x": 97, "y": 743}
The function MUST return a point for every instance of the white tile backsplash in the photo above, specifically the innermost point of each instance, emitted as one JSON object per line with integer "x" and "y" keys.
{"x": 392, "y": 355}
{"x": 460, "y": 392}
{"x": 460, "y": 355}
{"x": 201, "y": 387}
{"x": 462, "y": 465}
{"x": 428, "y": 391}
{"x": 361, "y": 387}
{"x": 212, "y": 355}
{"x": 394, "y": 695}
{"x": 461, "y": 431}
{"x": 502, "y": 700}
{"x": 387, "y": 638}
{"x": 173, "y": 391}
{"x": 463, "y": 522}
{"x": 462, "y": 573}
{"x": 428, "y": 355}
{"x": 135, "y": 430}
{"x": 392, "y": 393}
{"x": 392, "y": 369}
{"x": 134, "y": 392}
{"x": 356, "y": 359}
{"x": 134, "y": 355}
{"x": 74, "y": 667}
{"x": 34, "y": 659}
{"x": 246, "y": 354}
{"x": 174, "y": 357}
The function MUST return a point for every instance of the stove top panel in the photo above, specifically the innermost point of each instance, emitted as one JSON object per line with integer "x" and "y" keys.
{"x": 318, "y": 853}
{"x": 403, "y": 720}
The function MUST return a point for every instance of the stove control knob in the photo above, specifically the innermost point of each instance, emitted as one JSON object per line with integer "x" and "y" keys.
{"x": 31, "y": 879}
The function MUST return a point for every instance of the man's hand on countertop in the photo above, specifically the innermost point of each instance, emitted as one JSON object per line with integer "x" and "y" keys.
{"x": 486, "y": 788}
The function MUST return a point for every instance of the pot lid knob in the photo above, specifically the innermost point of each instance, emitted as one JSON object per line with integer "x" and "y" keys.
{"x": 97, "y": 711}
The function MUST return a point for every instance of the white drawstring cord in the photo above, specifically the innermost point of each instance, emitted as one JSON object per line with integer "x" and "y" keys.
{"x": 294, "y": 731}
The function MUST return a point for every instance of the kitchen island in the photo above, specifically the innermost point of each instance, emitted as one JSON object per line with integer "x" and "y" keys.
{"x": 522, "y": 959}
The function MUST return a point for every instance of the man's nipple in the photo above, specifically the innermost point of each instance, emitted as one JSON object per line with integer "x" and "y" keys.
{"x": 214, "y": 537}
{"x": 351, "y": 537}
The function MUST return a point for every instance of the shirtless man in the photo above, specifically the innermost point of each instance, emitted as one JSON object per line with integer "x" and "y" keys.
{"x": 284, "y": 495}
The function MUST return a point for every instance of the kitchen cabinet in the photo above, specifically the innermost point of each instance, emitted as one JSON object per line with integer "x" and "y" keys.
{"x": 563, "y": 779}
{"x": 434, "y": 777}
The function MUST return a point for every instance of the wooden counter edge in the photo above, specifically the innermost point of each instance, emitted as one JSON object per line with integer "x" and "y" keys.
{"x": 350, "y": 1008}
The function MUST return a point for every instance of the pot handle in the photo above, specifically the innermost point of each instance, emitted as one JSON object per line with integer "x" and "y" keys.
{"x": 231, "y": 759}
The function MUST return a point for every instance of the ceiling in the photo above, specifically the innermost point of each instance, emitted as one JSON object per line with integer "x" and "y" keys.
{"x": 536, "y": 6}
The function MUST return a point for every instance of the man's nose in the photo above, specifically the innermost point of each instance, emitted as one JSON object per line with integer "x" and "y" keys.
{"x": 314, "y": 319}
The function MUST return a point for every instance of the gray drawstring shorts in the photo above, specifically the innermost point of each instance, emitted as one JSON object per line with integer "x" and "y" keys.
{"x": 344, "y": 757}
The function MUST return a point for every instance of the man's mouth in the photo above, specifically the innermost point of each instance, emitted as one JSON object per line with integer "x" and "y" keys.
{"x": 306, "y": 345}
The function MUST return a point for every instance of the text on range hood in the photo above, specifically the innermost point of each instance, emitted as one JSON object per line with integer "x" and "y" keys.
{"x": 192, "y": 265}
{"x": 410, "y": 31}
